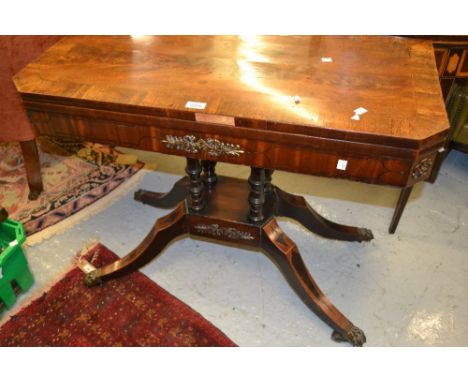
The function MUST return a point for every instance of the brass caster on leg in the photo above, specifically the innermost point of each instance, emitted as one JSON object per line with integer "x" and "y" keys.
{"x": 92, "y": 278}
{"x": 353, "y": 335}
{"x": 366, "y": 234}
{"x": 139, "y": 195}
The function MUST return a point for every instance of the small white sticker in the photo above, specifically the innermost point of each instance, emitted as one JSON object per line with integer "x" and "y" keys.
{"x": 327, "y": 59}
{"x": 341, "y": 165}
{"x": 358, "y": 112}
{"x": 195, "y": 105}
{"x": 13, "y": 243}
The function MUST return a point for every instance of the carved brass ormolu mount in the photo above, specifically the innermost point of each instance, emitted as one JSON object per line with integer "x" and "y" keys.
{"x": 223, "y": 232}
{"x": 422, "y": 168}
{"x": 192, "y": 145}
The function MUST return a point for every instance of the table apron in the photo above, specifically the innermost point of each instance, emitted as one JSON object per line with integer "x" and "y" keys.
{"x": 320, "y": 156}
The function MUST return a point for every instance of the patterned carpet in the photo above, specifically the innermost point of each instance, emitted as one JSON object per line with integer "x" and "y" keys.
{"x": 129, "y": 311}
{"x": 74, "y": 174}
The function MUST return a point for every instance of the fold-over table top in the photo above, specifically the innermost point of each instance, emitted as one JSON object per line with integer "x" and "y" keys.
{"x": 311, "y": 85}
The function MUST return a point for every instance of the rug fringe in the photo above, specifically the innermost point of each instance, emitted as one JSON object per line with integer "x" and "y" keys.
{"x": 88, "y": 211}
{"x": 23, "y": 300}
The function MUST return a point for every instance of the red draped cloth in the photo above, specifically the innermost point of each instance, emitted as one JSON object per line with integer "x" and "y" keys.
{"x": 15, "y": 53}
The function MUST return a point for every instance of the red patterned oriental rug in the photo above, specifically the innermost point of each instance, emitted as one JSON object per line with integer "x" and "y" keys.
{"x": 129, "y": 311}
{"x": 75, "y": 175}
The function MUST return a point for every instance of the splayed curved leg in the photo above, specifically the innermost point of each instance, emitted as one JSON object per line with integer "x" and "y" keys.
{"x": 286, "y": 255}
{"x": 166, "y": 229}
{"x": 167, "y": 199}
{"x": 296, "y": 207}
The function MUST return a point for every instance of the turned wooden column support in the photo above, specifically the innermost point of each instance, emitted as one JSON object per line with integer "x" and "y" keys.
{"x": 196, "y": 187}
{"x": 268, "y": 176}
{"x": 210, "y": 174}
{"x": 256, "y": 194}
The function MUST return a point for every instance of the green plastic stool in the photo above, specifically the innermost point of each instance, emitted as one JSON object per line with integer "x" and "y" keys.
{"x": 13, "y": 264}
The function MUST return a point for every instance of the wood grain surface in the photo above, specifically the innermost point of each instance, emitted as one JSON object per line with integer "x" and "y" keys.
{"x": 254, "y": 79}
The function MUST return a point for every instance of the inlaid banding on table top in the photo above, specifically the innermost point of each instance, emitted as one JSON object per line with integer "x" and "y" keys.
{"x": 253, "y": 79}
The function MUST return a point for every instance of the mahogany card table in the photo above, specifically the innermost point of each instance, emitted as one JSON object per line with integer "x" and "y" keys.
{"x": 365, "y": 108}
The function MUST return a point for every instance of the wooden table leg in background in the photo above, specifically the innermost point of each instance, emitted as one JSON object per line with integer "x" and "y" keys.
{"x": 210, "y": 177}
{"x": 404, "y": 196}
{"x": 33, "y": 168}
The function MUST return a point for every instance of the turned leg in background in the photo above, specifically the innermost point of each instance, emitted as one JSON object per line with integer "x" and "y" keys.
{"x": 33, "y": 168}
{"x": 404, "y": 196}
{"x": 210, "y": 177}
{"x": 256, "y": 194}
{"x": 196, "y": 186}
{"x": 268, "y": 177}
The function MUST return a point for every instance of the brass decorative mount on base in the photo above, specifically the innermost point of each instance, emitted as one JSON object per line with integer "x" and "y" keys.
{"x": 353, "y": 335}
{"x": 92, "y": 278}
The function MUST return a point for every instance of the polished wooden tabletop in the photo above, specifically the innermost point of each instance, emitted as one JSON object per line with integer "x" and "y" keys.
{"x": 303, "y": 84}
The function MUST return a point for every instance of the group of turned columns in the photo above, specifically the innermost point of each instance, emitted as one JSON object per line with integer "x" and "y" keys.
{"x": 259, "y": 183}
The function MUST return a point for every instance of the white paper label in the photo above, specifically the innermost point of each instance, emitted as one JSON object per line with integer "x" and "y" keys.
{"x": 327, "y": 59}
{"x": 195, "y": 105}
{"x": 358, "y": 112}
{"x": 13, "y": 243}
{"x": 341, "y": 165}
